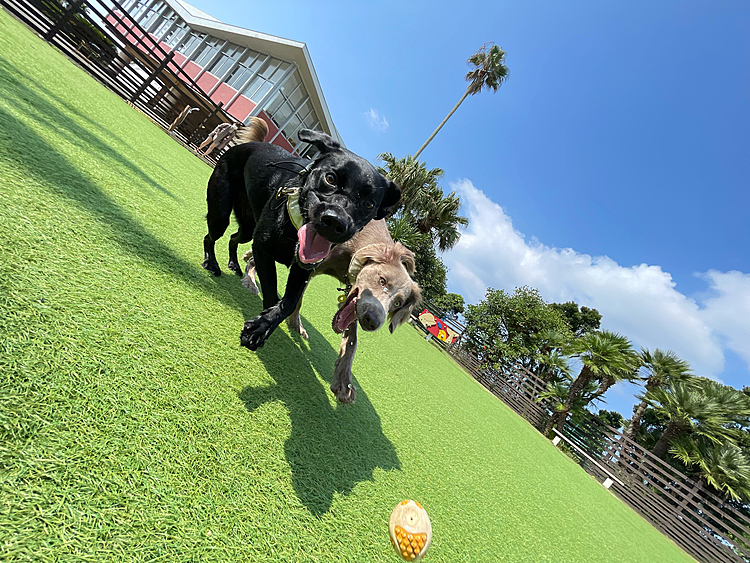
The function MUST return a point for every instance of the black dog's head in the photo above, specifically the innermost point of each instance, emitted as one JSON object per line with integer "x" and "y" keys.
{"x": 341, "y": 192}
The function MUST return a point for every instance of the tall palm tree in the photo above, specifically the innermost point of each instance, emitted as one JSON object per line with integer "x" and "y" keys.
{"x": 658, "y": 369}
{"x": 423, "y": 202}
{"x": 489, "y": 73}
{"x": 724, "y": 466}
{"x": 416, "y": 182}
{"x": 699, "y": 407}
{"x": 441, "y": 220}
{"x": 607, "y": 358}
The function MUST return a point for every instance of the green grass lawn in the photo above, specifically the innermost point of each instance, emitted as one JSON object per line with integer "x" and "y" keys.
{"x": 133, "y": 427}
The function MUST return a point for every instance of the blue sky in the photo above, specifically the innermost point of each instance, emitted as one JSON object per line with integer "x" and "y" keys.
{"x": 612, "y": 168}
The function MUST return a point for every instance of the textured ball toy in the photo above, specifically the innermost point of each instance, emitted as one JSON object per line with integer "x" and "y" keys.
{"x": 410, "y": 530}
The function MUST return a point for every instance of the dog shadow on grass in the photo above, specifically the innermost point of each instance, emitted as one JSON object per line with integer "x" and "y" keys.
{"x": 331, "y": 448}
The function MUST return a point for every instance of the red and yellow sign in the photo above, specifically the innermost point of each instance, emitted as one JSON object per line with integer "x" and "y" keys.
{"x": 437, "y": 327}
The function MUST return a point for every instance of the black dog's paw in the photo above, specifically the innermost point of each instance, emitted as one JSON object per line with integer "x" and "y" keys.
{"x": 344, "y": 390}
{"x": 212, "y": 266}
{"x": 255, "y": 333}
{"x": 235, "y": 267}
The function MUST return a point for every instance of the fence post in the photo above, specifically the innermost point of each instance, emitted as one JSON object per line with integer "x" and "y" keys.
{"x": 162, "y": 65}
{"x": 64, "y": 18}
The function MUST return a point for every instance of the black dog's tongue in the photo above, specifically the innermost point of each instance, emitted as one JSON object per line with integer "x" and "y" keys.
{"x": 312, "y": 247}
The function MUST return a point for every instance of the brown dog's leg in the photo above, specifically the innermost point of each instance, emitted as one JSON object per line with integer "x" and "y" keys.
{"x": 249, "y": 280}
{"x": 342, "y": 385}
{"x": 294, "y": 323}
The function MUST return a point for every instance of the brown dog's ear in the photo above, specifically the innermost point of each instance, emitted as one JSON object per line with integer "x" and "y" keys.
{"x": 389, "y": 204}
{"x": 406, "y": 257}
{"x": 323, "y": 142}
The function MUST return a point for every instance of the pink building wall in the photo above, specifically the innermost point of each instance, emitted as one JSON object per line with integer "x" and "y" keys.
{"x": 239, "y": 109}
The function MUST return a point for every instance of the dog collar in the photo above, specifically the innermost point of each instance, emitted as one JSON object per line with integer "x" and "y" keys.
{"x": 292, "y": 205}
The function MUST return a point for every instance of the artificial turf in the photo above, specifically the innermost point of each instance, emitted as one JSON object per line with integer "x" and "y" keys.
{"x": 133, "y": 427}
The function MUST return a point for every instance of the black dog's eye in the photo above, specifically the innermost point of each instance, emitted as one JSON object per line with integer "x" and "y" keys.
{"x": 368, "y": 204}
{"x": 330, "y": 178}
{"x": 382, "y": 281}
{"x": 397, "y": 303}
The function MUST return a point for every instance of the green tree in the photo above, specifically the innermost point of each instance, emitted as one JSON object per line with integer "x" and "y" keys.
{"x": 423, "y": 202}
{"x": 703, "y": 432}
{"x": 581, "y": 320}
{"x": 700, "y": 407}
{"x": 429, "y": 272}
{"x": 512, "y": 327}
{"x": 452, "y": 304}
{"x": 613, "y": 418}
{"x": 489, "y": 73}
{"x": 658, "y": 368}
{"x": 414, "y": 179}
{"x": 725, "y": 466}
{"x": 606, "y": 358}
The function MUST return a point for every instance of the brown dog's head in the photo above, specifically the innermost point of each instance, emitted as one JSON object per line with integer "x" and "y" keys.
{"x": 382, "y": 288}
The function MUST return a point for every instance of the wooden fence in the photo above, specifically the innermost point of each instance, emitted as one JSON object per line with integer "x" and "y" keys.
{"x": 102, "y": 38}
{"x": 706, "y": 526}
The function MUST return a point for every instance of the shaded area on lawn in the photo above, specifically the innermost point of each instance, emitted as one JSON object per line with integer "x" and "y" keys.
{"x": 330, "y": 449}
{"x": 45, "y": 113}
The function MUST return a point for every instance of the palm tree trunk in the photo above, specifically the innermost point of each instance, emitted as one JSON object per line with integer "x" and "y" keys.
{"x": 673, "y": 431}
{"x": 554, "y": 421}
{"x": 635, "y": 422}
{"x": 427, "y": 142}
{"x": 577, "y": 386}
{"x": 559, "y": 418}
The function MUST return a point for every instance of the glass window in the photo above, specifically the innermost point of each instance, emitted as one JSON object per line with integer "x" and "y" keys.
{"x": 269, "y": 74}
{"x": 262, "y": 91}
{"x": 243, "y": 71}
{"x": 149, "y": 15}
{"x": 230, "y": 54}
{"x": 189, "y": 42}
{"x": 166, "y": 22}
{"x": 176, "y": 34}
{"x": 291, "y": 127}
{"x": 210, "y": 48}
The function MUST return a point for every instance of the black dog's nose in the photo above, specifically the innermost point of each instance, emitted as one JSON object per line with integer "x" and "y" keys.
{"x": 334, "y": 223}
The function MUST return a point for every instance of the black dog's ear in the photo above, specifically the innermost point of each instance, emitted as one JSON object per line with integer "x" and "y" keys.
{"x": 321, "y": 141}
{"x": 390, "y": 201}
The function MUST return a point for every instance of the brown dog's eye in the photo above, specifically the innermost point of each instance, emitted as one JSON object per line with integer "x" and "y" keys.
{"x": 382, "y": 281}
{"x": 397, "y": 303}
{"x": 330, "y": 178}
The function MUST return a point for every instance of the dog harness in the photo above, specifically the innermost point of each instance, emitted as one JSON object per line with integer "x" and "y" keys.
{"x": 292, "y": 194}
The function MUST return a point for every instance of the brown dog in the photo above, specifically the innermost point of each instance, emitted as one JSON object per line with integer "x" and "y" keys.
{"x": 376, "y": 272}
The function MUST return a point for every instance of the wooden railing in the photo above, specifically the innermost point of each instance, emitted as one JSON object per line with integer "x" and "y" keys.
{"x": 102, "y": 38}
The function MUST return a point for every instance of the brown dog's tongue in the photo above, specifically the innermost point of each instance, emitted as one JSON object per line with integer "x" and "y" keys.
{"x": 345, "y": 316}
{"x": 312, "y": 247}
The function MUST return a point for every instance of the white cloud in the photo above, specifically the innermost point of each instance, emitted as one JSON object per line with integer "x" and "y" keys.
{"x": 376, "y": 121}
{"x": 727, "y": 309}
{"x": 640, "y": 302}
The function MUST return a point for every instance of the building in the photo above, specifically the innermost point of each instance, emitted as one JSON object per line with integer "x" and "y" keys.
{"x": 251, "y": 73}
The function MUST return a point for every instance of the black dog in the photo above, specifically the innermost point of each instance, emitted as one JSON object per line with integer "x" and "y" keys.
{"x": 329, "y": 199}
